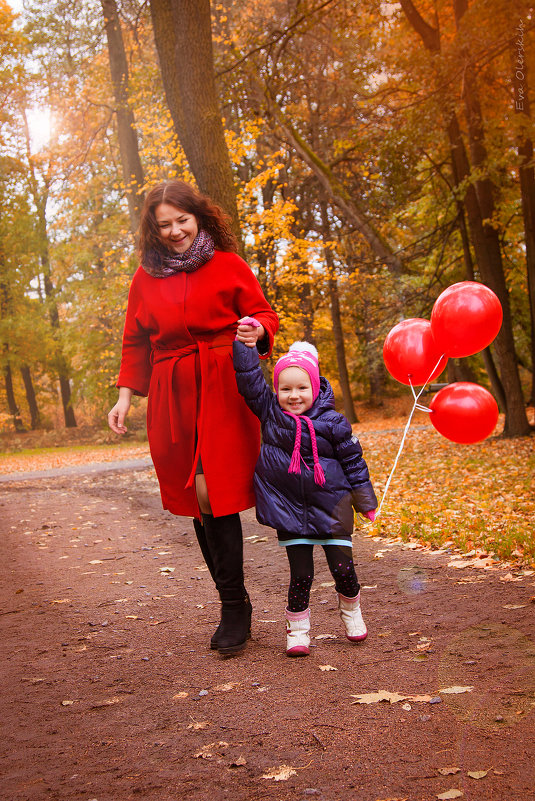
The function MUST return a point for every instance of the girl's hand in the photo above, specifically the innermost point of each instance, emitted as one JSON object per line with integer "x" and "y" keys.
{"x": 117, "y": 415}
{"x": 249, "y": 331}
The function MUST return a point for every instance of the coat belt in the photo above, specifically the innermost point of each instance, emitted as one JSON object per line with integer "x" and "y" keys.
{"x": 173, "y": 355}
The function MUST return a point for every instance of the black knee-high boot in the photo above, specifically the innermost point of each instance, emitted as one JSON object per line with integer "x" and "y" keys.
{"x": 203, "y": 545}
{"x": 225, "y": 544}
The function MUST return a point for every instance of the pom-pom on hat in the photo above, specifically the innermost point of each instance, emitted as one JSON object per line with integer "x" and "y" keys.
{"x": 305, "y": 356}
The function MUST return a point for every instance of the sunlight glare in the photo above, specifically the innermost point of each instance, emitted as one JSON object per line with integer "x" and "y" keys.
{"x": 40, "y": 123}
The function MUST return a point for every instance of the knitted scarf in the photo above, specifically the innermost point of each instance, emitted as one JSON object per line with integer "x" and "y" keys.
{"x": 200, "y": 251}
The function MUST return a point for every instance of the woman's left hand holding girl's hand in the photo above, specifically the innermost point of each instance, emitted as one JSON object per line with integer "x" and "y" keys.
{"x": 249, "y": 331}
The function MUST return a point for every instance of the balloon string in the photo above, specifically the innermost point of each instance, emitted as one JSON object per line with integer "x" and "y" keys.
{"x": 422, "y": 408}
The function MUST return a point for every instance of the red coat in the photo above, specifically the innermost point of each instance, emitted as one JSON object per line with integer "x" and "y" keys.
{"x": 177, "y": 348}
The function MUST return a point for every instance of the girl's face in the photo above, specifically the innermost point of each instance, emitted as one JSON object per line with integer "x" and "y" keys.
{"x": 295, "y": 390}
{"x": 177, "y": 228}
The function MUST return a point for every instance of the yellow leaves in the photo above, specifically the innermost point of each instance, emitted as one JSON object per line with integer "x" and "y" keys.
{"x": 441, "y": 495}
{"x": 327, "y": 668}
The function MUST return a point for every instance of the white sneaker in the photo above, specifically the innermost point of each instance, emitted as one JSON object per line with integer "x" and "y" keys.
{"x": 297, "y": 628}
{"x": 352, "y": 618}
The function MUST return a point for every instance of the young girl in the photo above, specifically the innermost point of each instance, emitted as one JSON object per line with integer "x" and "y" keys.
{"x": 310, "y": 475}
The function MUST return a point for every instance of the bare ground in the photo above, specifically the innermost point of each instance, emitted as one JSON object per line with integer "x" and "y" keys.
{"x": 110, "y": 692}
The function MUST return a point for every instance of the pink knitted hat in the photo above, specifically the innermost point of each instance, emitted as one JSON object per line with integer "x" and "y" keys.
{"x": 305, "y": 356}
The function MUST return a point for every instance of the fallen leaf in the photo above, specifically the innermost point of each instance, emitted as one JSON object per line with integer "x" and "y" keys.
{"x": 381, "y": 695}
{"x": 450, "y": 794}
{"x": 477, "y": 774}
{"x": 107, "y": 702}
{"x": 167, "y": 569}
{"x": 95, "y": 562}
{"x": 67, "y": 703}
{"x": 514, "y": 606}
{"x": 385, "y": 695}
{"x": 456, "y": 690}
{"x": 208, "y": 751}
{"x": 224, "y": 688}
{"x": 407, "y": 707}
{"x": 238, "y": 762}
{"x": 280, "y": 774}
{"x": 327, "y": 667}
{"x": 180, "y": 695}
{"x": 327, "y": 584}
{"x": 62, "y": 601}
{"x": 197, "y": 725}
{"x": 132, "y": 617}
{"x": 448, "y": 771}
{"x": 510, "y": 577}
{"x": 325, "y": 637}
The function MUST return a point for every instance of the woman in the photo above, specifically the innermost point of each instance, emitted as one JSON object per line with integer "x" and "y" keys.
{"x": 184, "y": 309}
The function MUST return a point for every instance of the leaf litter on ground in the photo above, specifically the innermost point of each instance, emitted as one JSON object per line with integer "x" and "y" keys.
{"x": 477, "y": 500}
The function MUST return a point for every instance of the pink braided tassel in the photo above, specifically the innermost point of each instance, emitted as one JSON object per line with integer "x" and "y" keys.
{"x": 319, "y": 475}
{"x": 295, "y": 461}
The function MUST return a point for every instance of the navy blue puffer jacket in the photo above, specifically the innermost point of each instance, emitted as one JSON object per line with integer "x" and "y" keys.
{"x": 300, "y": 509}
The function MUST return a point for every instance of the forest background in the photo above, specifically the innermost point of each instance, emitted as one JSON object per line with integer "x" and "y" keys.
{"x": 370, "y": 154}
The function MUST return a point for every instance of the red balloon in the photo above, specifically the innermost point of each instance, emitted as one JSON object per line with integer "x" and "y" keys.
{"x": 464, "y": 412}
{"x": 410, "y": 353}
{"x": 465, "y": 318}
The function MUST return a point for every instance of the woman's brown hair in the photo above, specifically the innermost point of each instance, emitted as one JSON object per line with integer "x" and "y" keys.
{"x": 210, "y": 218}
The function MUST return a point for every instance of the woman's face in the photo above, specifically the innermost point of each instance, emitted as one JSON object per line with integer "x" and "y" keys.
{"x": 177, "y": 228}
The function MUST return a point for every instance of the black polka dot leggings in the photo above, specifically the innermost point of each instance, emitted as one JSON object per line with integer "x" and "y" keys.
{"x": 301, "y": 559}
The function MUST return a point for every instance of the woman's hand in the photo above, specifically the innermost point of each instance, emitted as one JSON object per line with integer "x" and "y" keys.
{"x": 249, "y": 331}
{"x": 117, "y": 415}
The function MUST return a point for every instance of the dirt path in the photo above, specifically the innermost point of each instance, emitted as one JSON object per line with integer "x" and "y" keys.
{"x": 109, "y": 690}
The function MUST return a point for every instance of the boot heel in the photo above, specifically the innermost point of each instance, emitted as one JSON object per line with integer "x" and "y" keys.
{"x": 297, "y": 628}
{"x": 235, "y": 627}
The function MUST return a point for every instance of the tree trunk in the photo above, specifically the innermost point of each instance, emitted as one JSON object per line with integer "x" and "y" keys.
{"x": 479, "y": 204}
{"x": 183, "y": 36}
{"x": 40, "y": 199}
{"x": 35, "y": 417}
{"x": 488, "y": 361}
{"x": 490, "y": 261}
{"x": 126, "y": 130}
{"x": 527, "y": 193}
{"x": 336, "y": 318}
{"x": 11, "y": 402}
{"x": 60, "y": 361}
